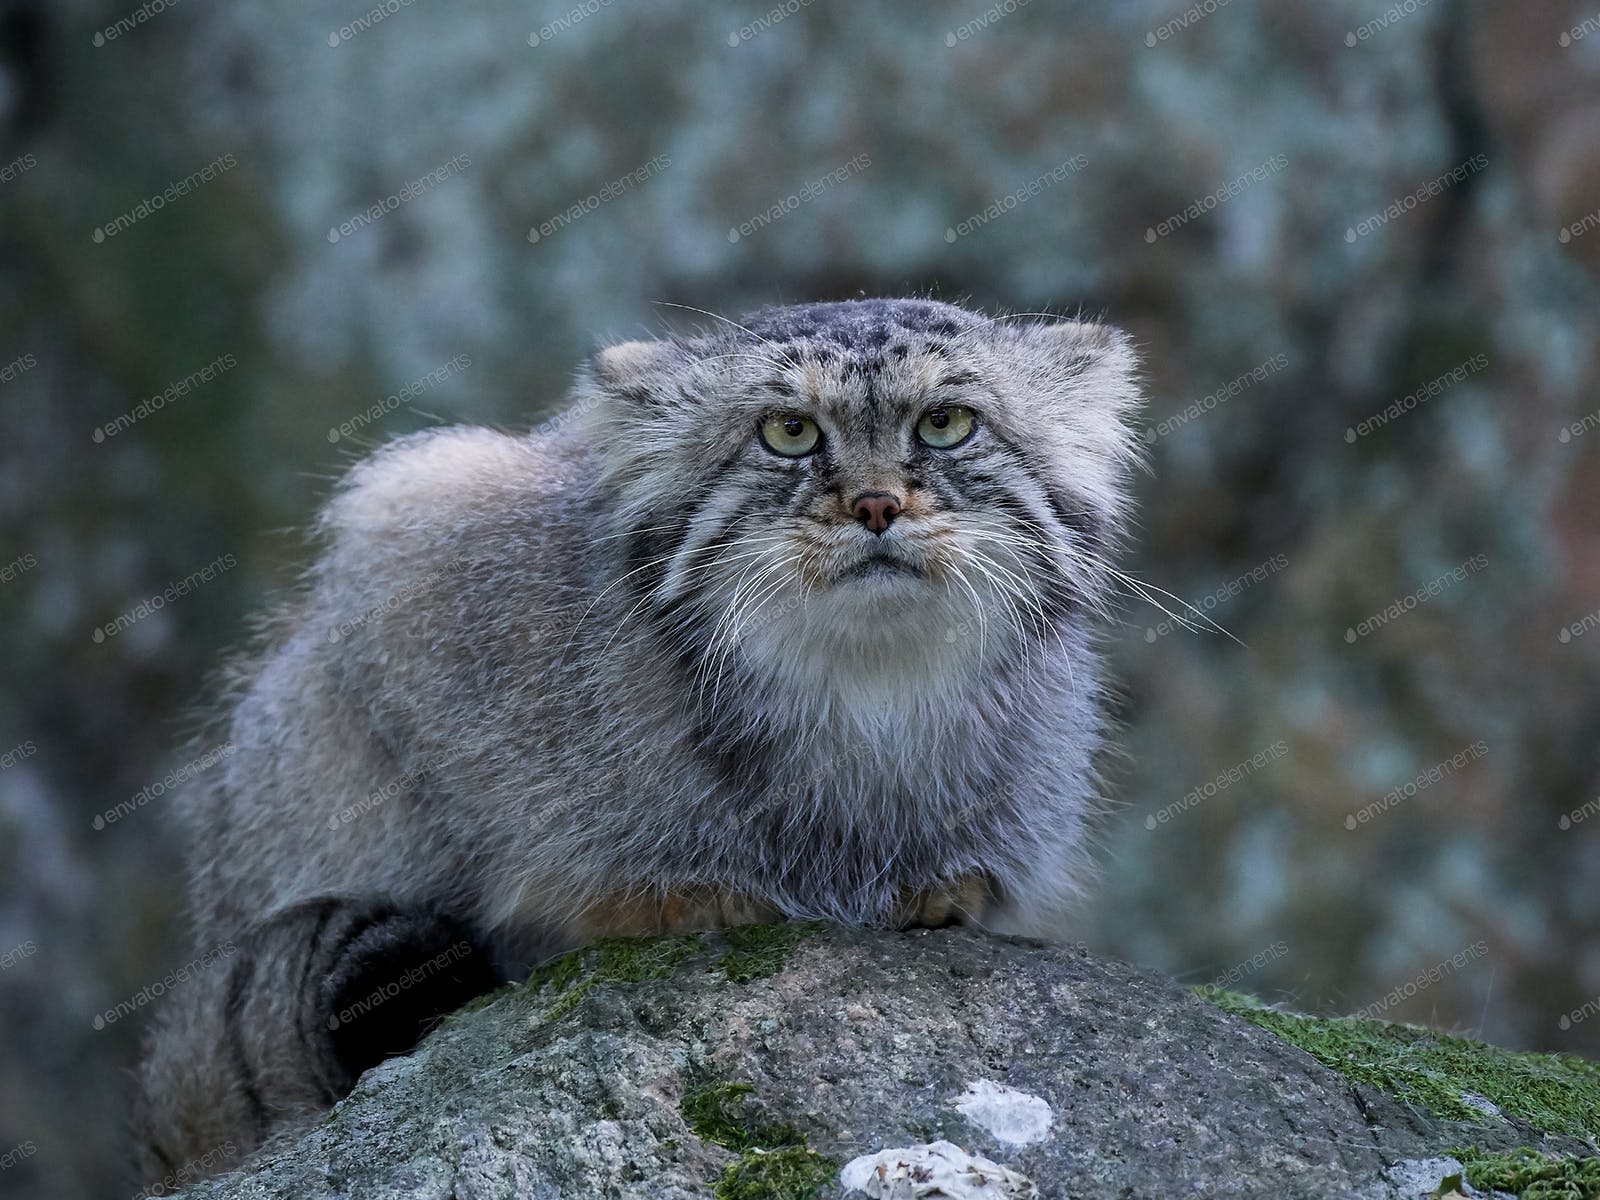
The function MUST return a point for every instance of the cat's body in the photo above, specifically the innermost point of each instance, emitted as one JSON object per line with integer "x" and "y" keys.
{"x": 669, "y": 666}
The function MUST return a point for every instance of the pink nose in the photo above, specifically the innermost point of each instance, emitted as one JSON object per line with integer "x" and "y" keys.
{"x": 876, "y": 510}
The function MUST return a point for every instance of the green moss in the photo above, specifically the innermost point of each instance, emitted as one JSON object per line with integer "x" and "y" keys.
{"x": 1432, "y": 1070}
{"x": 707, "y": 1110}
{"x": 756, "y": 951}
{"x": 753, "y": 952}
{"x": 717, "y": 1113}
{"x": 1532, "y": 1176}
{"x": 480, "y": 1002}
{"x": 614, "y": 960}
{"x": 789, "y": 1173}
{"x": 774, "y": 1161}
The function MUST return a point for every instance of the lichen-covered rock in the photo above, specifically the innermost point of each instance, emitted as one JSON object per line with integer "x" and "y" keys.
{"x": 802, "y": 1061}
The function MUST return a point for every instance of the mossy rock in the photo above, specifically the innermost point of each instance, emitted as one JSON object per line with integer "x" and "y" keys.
{"x": 1459, "y": 1080}
{"x": 1449, "y": 1076}
{"x": 763, "y": 1064}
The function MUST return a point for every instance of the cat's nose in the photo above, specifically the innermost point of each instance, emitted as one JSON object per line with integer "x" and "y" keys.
{"x": 876, "y": 510}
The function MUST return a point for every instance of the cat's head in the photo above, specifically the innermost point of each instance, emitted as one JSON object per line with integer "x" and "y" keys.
{"x": 870, "y": 462}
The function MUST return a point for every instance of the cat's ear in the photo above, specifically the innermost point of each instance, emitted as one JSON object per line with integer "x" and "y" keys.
{"x": 634, "y": 370}
{"x": 1084, "y": 362}
{"x": 1074, "y": 346}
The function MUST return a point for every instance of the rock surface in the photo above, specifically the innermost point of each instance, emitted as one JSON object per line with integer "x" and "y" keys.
{"x": 783, "y": 1062}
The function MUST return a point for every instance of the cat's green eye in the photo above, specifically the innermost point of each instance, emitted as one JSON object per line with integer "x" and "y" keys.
{"x": 946, "y": 425}
{"x": 790, "y": 435}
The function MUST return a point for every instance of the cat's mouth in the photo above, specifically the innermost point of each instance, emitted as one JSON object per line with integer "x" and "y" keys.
{"x": 881, "y": 565}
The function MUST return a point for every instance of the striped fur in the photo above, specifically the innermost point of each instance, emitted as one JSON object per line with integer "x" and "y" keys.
{"x": 637, "y": 672}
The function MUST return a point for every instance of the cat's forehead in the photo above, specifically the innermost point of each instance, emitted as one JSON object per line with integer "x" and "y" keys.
{"x": 863, "y": 329}
{"x": 879, "y": 353}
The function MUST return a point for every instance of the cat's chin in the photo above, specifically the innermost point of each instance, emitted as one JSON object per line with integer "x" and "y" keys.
{"x": 881, "y": 570}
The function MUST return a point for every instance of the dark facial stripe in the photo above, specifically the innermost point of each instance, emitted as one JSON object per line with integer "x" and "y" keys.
{"x": 1072, "y": 513}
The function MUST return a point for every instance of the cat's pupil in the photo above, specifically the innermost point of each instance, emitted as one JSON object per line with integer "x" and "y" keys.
{"x": 794, "y": 427}
{"x": 938, "y": 418}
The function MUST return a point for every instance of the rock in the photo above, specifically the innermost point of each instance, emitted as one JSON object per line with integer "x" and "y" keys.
{"x": 798, "y": 1061}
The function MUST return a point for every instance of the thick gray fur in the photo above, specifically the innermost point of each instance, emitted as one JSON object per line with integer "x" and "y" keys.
{"x": 533, "y": 680}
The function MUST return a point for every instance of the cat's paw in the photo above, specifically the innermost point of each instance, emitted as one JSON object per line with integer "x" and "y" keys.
{"x": 962, "y": 901}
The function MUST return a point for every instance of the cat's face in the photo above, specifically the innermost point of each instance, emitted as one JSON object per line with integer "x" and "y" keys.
{"x": 870, "y": 463}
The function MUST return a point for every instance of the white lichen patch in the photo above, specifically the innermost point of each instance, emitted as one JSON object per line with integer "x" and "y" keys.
{"x": 935, "y": 1169}
{"x": 1013, "y": 1117}
{"x": 1418, "y": 1177}
{"x": 1482, "y": 1103}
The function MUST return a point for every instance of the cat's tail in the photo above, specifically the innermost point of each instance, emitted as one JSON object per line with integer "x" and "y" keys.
{"x": 281, "y": 1021}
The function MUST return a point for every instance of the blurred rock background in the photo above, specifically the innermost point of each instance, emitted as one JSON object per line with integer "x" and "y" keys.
{"x": 1359, "y": 245}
